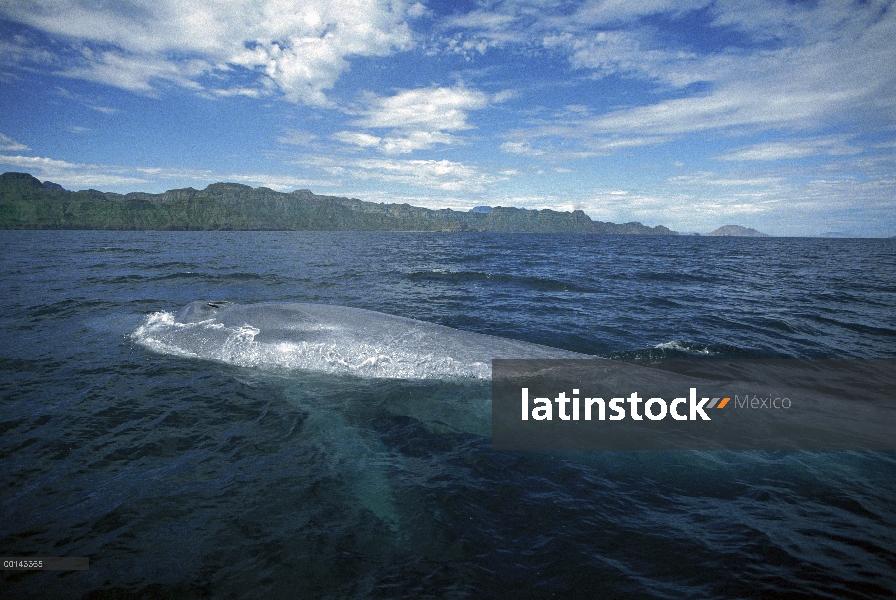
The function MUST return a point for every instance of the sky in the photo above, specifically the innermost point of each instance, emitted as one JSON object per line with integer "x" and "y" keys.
{"x": 693, "y": 114}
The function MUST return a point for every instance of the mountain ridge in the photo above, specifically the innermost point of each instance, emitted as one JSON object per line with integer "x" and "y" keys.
{"x": 27, "y": 203}
{"x": 736, "y": 231}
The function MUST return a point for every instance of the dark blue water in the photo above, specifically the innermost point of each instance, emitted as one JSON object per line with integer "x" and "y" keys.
{"x": 182, "y": 477}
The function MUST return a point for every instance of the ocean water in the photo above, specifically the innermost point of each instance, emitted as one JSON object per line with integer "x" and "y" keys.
{"x": 194, "y": 459}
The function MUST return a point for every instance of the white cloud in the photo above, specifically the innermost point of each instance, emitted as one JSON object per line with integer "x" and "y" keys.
{"x": 72, "y": 175}
{"x": 294, "y": 137}
{"x": 828, "y": 146}
{"x": 528, "y": 24}
{"x": 125, "y": 179}
{"x": 430, "y": 109}
{"x": 801, "y": 23}
{"x": 683, "y": 210}
{"x": 780, "y": 98}
{"x": 523, "y": 148}
{"x": 634, "y": 53}
{"x": 20, "y": 52}
{"x": 708, "y": 178}
{"x": 434, "y": 174}
{"x": 603, "y": 12}
{"x": 416, "y": 119}
{"x": 8, "y": 144}
{"x": 356, "y": 138}
{"x": 136, "y": 73}
{"x": 275, "y": 182}
{"x": 238, "y": 91}
{"x": 300, "y": 50}
{"x": 479, "y": 30}
{"x": 504, "y": 96}
{"x": 553, "y": 140}
{"x": 36, "y": 162}
{"x": 481, "y": 20}
{"x": 792, "y": 65}
{"x": 400, "y": 144}
{"x": 90, "y": 102}
{"x": 106, "y": 110}
{"x": 802, "y": 88}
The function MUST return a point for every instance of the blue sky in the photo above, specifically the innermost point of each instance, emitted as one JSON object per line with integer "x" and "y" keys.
{"x": 690, "y": 113}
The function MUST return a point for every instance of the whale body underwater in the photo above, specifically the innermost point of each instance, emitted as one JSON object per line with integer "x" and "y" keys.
{"x": 330, "y": 339}
{"x": 341, "y": 365}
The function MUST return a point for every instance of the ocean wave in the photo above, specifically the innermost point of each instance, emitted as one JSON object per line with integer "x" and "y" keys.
{"x": 543, "y": 284}
{"x": 683, "y": 349}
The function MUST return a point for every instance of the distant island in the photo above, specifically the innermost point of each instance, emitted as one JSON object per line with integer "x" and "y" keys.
{"x": 737, "y": 231}
{"x": 28, "y": 203}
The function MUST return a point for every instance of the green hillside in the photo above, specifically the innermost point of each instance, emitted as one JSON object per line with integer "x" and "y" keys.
{"x": 27, "y": 203}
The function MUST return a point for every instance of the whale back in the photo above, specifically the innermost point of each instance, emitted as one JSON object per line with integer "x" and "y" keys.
{"x": 330, "y": 339}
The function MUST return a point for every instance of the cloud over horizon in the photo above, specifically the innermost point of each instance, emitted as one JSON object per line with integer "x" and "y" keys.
{"x": 300, "y": 50}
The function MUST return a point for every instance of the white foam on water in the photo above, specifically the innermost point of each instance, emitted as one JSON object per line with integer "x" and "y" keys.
{"x": 685, "y": 347}
{"x": 330, "y": 339}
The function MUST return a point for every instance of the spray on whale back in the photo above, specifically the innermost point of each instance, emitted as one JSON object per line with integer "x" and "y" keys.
{"x": 329, "y": 339}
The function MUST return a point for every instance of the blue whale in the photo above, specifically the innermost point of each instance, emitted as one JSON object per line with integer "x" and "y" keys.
{"x": 330, "y": 339}
{"x": 337, "y": 362}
